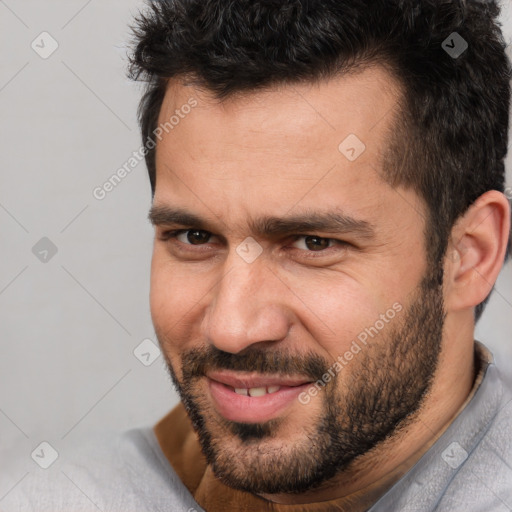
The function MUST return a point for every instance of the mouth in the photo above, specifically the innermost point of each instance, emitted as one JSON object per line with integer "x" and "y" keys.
{"x": 251, "y": 398}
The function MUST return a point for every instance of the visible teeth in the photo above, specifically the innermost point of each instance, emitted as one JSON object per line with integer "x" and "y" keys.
{"x": 257, "y": 391}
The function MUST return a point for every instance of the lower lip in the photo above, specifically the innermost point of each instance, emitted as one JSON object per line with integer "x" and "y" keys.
{"x": 247, "y": 409}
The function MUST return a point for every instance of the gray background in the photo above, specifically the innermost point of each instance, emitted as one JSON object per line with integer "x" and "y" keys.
{"x": 69, "y": 325}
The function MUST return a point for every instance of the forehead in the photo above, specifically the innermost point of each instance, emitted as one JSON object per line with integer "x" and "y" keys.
{"x": 359, "y": 102}
{"x": 274, "y": 146}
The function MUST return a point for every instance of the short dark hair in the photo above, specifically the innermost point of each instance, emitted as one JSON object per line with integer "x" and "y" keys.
{"x": 449, "y": 139}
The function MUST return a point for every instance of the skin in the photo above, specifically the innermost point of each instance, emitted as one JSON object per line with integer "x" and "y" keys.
{"x": 275, "y": 153}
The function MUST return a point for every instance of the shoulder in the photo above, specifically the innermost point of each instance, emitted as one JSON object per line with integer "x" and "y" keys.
{"x": 485, "y": 477}
{"x": 470, "y": 466}
{"x": 480, "y": 472}
{"x": 124, "y": 471}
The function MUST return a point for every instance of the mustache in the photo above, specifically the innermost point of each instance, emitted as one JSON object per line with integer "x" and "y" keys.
{"x": 197, "y": 362}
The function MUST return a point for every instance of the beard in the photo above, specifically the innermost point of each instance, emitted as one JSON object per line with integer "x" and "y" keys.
{"x": 375, "y": 397}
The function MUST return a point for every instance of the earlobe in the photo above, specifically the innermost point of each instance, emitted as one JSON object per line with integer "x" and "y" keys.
{"x": 477, "y": 251}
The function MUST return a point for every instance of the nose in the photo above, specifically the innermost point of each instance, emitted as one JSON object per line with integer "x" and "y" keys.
{"x": 247, "y": 307}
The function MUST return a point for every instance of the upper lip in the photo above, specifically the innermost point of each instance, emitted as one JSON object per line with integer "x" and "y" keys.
{"x": 251, "y": 380}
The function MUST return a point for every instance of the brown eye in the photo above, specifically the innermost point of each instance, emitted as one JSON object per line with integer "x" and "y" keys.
{"x": 197, "y": 236}
{"x": 316, "y": 243}
{"x": 313, "y": 243}
{"x": 309, "y": 247}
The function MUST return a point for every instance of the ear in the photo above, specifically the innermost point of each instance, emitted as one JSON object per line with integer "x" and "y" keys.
{"x": 476, "y": 251}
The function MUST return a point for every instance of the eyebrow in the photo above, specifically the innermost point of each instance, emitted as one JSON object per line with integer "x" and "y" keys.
{"x": 309, "y": 221}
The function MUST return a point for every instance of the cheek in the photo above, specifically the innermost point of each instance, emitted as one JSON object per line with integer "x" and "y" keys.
{"x": 175, "y": 300}
{"x": 336, "y": 308}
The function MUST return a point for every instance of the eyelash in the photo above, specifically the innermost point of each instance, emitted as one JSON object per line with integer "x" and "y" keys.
{"x": 173, "y": 234}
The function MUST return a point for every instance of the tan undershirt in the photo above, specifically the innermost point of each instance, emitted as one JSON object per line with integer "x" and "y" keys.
{"x": 179, "y": 444}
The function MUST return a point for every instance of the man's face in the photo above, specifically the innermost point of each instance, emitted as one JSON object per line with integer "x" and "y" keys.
{"x": 300, "y": 266}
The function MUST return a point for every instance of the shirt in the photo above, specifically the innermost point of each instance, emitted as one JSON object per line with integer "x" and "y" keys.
{"x": 467, "y": 467}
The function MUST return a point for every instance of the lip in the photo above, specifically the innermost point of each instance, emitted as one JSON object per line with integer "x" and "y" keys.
{"x": 247, "y": 409}
{"x": 254, "y": 380}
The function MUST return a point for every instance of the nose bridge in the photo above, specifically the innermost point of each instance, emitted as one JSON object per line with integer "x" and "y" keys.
{"x": 245, "y": 308}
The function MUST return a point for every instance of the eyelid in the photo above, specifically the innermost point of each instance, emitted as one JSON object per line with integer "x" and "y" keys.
{"x": 336, "y": 245}
{"x": 174, "y": 233}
